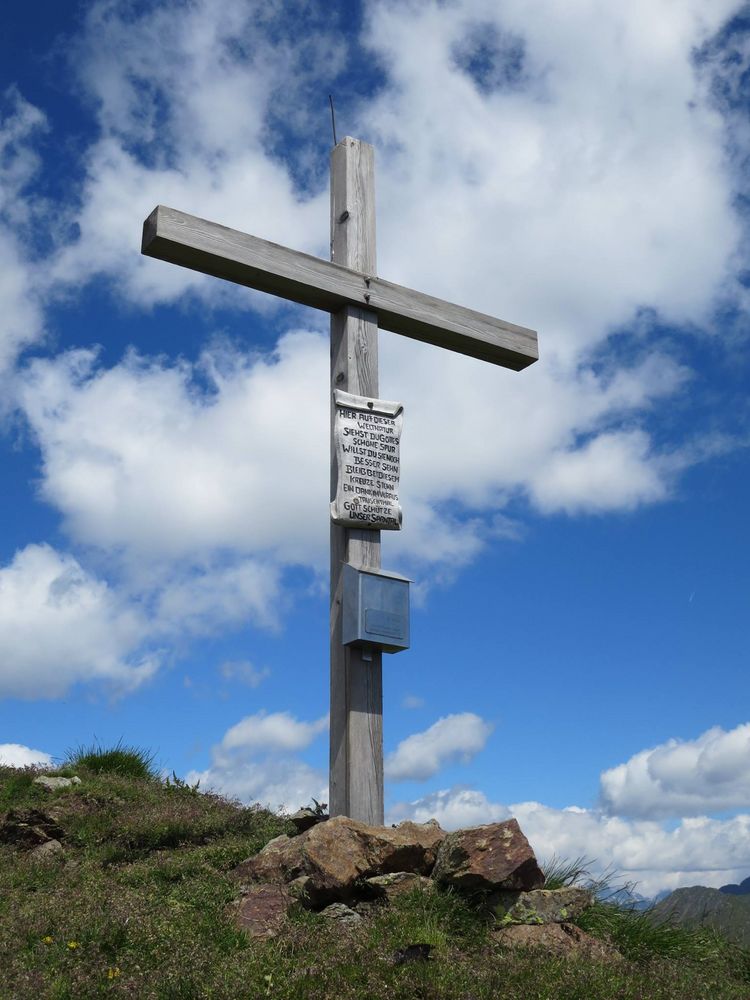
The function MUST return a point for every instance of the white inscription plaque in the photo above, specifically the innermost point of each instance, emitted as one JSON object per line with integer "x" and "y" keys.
{"x": 367, "y": 434}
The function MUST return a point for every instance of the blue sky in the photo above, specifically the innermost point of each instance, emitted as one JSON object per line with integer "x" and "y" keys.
{"x": 576, "y": 532}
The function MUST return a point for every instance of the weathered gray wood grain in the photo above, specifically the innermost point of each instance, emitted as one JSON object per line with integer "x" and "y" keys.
{"x": 356, "y": 720}
{"x": 349, "y": 281}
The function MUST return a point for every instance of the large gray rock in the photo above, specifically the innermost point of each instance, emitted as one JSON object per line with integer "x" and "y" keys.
{"x": 542, "y": 906}
{"x": 323, "y": 864}
{"x": 53, "y": 784}
{"x": 486, "y": 858}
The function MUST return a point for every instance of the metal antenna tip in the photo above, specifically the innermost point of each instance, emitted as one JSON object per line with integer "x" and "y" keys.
{"x": 333, "y": 119}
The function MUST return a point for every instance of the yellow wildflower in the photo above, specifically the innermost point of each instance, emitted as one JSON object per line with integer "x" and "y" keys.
{"x": 47, "y": 939}
{"x": 113, "y": 973}
{"x": 73, "y": 945}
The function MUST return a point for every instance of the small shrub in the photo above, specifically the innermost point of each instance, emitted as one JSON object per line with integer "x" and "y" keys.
{"x": 126, "y": 761}
{"x": 176, "y": 784}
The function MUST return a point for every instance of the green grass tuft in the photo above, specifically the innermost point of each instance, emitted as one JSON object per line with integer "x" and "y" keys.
{"x": 614, "y": 917}
{"x": 640, "y": 939}
{"x": 16, "y": 784}
{"x": 126, "y": 761}
{"x": 560, "y": 873}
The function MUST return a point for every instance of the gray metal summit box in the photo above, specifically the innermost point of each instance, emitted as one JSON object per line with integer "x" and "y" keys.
{"x": 375, "y": 609}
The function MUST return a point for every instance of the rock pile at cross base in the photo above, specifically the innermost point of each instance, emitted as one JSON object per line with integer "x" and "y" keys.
{"x": 344, "y": 869}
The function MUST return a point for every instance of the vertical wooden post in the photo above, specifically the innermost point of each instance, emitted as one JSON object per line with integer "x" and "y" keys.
{"x": 356, "y": 762}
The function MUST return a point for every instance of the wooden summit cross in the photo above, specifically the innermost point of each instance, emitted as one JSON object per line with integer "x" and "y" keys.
{"x": 359, "y": 303}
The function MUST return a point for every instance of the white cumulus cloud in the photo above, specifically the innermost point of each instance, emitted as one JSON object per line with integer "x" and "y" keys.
{"x": 114, "y": 442}
{"x": 285, "y": 783}
{"x": 594, "y": 174}
{"x": 59, "y": 625}
{"x": 256, "y": 762}
{"x": 456, "y": 737}
{"x": 22, "y": 320}
{"x": 192, "y": 87}
{"x": 17, "y": 755}
{"x": 453, "y": 808}
{"x": 275, "y": 731}
{"x": 683, "y": 777}
{"x": 612, "y": 471}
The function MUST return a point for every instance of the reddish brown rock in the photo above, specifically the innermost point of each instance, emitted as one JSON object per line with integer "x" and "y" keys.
{"x": 261, "y": 913}
{"x": 496, "y": 856}
{"x": 562, "y": 940}
{"x": 323, "y": 864}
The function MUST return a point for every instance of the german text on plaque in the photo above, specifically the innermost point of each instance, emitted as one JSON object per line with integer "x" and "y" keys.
{"x": 367, "y": 435}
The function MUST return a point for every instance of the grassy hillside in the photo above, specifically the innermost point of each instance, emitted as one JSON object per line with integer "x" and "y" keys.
{"x": 698, "y": 906}
{"x": 137, "y": 906}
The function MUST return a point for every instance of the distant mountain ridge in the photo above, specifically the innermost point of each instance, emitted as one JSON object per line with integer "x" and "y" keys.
{"x": 743, "y": 889}
{"x": 725, "y": 909}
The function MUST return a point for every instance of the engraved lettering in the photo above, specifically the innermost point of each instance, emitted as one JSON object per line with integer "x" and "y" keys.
{"x": 367, "y": 434}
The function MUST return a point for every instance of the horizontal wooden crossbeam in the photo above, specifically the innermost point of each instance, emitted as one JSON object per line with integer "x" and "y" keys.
{"x": 247, "y": 260}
